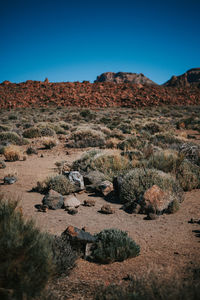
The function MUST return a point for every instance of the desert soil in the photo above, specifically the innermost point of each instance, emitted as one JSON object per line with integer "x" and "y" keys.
{"x": 169, "y": 245}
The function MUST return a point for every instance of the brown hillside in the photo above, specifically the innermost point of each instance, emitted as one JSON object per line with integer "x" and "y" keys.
{"x": 106, "y": 94}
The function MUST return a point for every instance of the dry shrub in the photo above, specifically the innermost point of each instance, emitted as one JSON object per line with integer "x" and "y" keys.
{"x": 12, "y": 137}
{"x": 58, "y": 183}
{"x": 112, "y": 143}
{"x": 138, "y": 180}
{"x": 85, "y": 137}
{"x": 111, "y": 165}
{"x": 49, "y": 143}
{"x": 12, "y": 153}
{"x": 32, "y": 132}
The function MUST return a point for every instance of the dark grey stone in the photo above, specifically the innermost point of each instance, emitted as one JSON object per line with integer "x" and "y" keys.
{"x": 9, "y": 180}
{"x": 53, "y": 200}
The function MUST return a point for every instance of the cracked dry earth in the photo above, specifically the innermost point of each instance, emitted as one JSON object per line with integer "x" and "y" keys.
{"x": 169, "y": 245}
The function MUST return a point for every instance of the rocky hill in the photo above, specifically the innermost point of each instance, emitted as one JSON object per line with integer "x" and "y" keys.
{"x": 99, "y": 94}
{"x": 124, "y": 77}
{"x": 189, "y": 78}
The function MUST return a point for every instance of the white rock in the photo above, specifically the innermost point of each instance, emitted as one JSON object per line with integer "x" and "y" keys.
{"x": 71, "y": 201}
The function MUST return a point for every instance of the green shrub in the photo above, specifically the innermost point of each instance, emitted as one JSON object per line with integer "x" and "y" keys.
{"x": 12, "y": 137}
{"x": 84, "y": 138}
{"x": 58, "y": 183}
{"x": 152, "y": 128}
{"x": 113, "y": 245}
{"x": 12, "y": 117}
{"x": 57, "y": 128}
{"x": 63, "y": 256}
{"x": 25, "y": 253}
{"x": 111, "y": 165}
{"x": 188, "y": 175}
{"x": 125, "y": 128}
{"x": 173, "y": 207}
{"x": 47, "y": 131}
{"x": 191, "y": 151}
{"x": 4, "y": 128}
{"x": 138, "y": 180}
{"x": 87, "y": 114}
{"x": 32, "y": 132}
{"x": 129, "y": 143}
{"x": 166, "y": 161}
{"x": 163, "y": 139}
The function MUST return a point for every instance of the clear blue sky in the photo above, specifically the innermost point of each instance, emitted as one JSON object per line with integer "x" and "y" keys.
{"x": 78, "y": 40}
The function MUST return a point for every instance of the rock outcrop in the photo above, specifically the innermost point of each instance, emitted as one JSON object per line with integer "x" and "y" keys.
{"x": 189, "y": 78}
{"x": 124, "y": 77}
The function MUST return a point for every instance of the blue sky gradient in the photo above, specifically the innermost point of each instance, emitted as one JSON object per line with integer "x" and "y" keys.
{"x": 78, "y": 40}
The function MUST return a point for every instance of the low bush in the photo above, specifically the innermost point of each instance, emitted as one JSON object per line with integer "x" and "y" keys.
{"x": 152, "y": 128}
{"x": 129, "y": 143}
{"x": 138, "y": 180}
{"x": 113, "y": 245}
{"x": 188, "y": 175}
{"x": 63, "y": 256}
{"x": 84, "y": 138}
{"x": 112, "y": 143}
{"x": 111, "y": 165}
{"x": 25, "y": 253}
{"x": 49, "y": 143}
{"x": 4, "y": 128}
{"x": 12, "y": 153}
{"x": 163, "y": 139}
{"x": 2, "y": 164}
{"x": 166, "y": 161}
{"x": 87, "y": 114}
{"x": 191, "y": 152}
{"x": 58, "y": 183}
{"x": 12, "y": 137}
{"x": 32, "y": 132}
{"x": 30, "y": 150}
{"x": 47, "y": 131}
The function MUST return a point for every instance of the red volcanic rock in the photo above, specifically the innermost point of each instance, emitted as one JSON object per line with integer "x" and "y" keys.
{"x": 98, "y": 94}
{"x": 46, "y": 80}
{"x": 6, "y": 82}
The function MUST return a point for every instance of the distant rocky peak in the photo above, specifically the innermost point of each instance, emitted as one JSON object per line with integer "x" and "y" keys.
{"x": 189, "y": 78}
{"x": 124, "y": 77}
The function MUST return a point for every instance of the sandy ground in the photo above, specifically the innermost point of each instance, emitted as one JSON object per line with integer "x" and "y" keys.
{"x": 169, "y": 245}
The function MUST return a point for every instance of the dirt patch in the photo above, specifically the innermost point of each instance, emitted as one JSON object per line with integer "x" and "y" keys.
{"x": 169, "y": 245}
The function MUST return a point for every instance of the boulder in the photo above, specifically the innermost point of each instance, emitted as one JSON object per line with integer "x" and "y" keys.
{"x": 53, "y": 200}
{"x": 155, "y": 200}
{"x": 107, "y": 209}
{"x": 93, "y": 177}
{"x": 89, "y": 203}
{"x": 79, "y": 239}
{"x": 117, "y": 183}
{"x": 105, "y": 187}
{"x": 2, "y": 164}
{"x": 9, "y": 180}
{"x": 76, "y": 178}
{"x": 71, "y": 210}
{"x": 71, "y": 201}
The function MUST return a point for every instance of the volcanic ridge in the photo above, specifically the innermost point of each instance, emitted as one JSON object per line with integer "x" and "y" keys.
{"x": 109, "y": 90}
